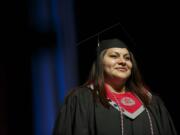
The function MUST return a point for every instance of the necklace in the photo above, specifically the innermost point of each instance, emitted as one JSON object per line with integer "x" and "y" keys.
{"x": 122, "y": 120}
{"x": 121, "y": 114}
{"x": 150, "y": 122}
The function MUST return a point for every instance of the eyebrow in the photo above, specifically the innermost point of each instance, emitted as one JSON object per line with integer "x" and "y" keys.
{"x": 119, "y": 53}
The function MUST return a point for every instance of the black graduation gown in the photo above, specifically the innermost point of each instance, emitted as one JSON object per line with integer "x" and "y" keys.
{"x": 81, "y": 116}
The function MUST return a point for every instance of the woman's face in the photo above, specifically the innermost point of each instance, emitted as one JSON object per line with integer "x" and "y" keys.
{"x": 117, "y": 63}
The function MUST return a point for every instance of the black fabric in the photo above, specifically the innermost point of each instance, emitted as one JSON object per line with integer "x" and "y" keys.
{"x": 110, "y": 43}
{"x": 81, "y": 116}
{"x": 119, "y": 32}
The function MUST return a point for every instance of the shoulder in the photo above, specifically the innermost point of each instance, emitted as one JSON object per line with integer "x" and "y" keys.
{"x": 156, "y": 99}
{"x": 79, "y": 91}
{"x": 157, "y": 103}
{"x": 79, "y": 94}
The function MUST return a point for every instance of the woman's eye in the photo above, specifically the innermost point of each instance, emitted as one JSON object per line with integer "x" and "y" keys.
{"x": 113, "y": 56}
{"x": 127, "y": 58}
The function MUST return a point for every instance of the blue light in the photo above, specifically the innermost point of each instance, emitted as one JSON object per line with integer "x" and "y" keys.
{"x": 43, "y": 93}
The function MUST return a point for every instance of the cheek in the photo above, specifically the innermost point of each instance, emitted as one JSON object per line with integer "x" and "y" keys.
{"x": 129, "y": 64}
{"x": 130, "y": 68}
{"x": 109, "y": 64}
{"x": 107, "y": 68}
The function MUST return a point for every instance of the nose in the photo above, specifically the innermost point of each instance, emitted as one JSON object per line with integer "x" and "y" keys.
{"x": 121, "y": 61}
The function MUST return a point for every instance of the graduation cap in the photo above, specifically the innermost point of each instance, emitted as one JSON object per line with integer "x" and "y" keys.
{"x": 113, "y": 36}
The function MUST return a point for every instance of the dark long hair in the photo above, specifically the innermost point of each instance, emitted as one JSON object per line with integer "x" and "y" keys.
{"x": 134, "y": 83}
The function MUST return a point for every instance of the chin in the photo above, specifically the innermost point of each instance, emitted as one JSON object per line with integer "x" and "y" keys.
{"x": 122, "y": 76}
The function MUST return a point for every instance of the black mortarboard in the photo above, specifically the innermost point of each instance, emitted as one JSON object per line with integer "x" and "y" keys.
{"x": 113, "y": 36}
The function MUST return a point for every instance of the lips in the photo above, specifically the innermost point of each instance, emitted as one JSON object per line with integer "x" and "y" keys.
{"x": 121, "y": 69}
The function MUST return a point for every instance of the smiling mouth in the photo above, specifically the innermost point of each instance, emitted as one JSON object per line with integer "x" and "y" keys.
{"x": 122, "y": 69}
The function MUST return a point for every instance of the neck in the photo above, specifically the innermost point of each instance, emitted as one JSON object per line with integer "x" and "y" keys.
{"x": 116, "y": 87}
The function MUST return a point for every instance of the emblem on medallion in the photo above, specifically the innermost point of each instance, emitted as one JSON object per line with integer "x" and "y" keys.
{"x": 127, "y": 101}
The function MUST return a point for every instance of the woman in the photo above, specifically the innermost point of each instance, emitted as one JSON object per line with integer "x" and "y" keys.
{"x": 114, "y": 101}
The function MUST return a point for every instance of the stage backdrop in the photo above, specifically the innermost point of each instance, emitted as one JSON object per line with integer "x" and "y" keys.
{"x": 54, "y": 69}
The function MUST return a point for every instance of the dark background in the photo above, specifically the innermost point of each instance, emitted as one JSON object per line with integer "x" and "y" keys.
{"x": 154, "y": 27}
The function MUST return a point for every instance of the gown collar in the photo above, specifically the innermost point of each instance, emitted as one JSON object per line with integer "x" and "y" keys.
{"x": 129, "y": 103}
